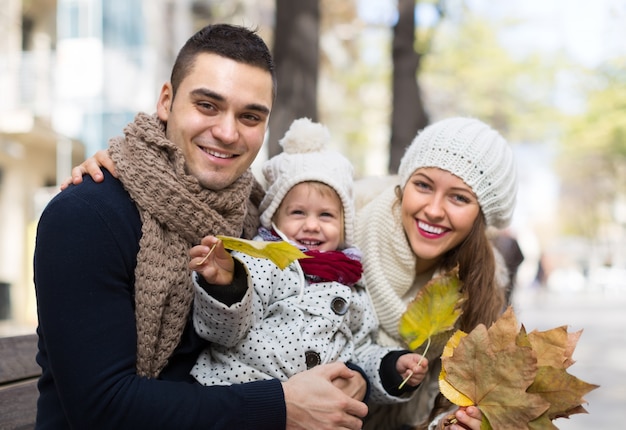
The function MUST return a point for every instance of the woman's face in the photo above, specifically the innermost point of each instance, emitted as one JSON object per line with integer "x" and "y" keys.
{"x": 438, "y": 212}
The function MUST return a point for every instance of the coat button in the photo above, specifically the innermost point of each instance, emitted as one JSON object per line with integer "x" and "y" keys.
{"x": 312, "y": 359}
{"x": 339, "y": 306}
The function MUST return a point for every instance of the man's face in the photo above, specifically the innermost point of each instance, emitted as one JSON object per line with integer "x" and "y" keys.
{"x": 218, "y": 118}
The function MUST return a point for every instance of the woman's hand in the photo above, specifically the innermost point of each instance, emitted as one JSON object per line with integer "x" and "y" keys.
{"x": 468, "y": 418}
{"x": 92, "y": 166}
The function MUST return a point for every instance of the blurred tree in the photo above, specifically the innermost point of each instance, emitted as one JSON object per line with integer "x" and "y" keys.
{"x": 408, "y": 114}
{"x": 468, "y": 72}
{"x": 592, "y": 164}
{"x": 345, "y": 98}
{"x": 296, "y": 54}
{"x": 359, "y": 90}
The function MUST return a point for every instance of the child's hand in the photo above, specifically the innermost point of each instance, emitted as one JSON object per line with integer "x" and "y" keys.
{"x": 211, "y": 260}
{"x": 414, "y": 365}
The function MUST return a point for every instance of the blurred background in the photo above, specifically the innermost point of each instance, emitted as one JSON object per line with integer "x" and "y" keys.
{"x": 550, "y": 75}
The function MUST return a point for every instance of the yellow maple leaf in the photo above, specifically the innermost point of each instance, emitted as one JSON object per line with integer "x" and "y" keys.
{"x": 452, "y": 393}
{"x": 280, "y": 253}
{"x": 453, "y": 342}
{"x": 435, "y": 310}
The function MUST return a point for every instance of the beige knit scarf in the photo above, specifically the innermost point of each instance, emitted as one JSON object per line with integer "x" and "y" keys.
{"x": 388, "y": 260}
{"x": 176, "y": 212}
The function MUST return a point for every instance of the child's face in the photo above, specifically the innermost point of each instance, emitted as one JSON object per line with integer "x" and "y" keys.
{"x": 311, "y": 215}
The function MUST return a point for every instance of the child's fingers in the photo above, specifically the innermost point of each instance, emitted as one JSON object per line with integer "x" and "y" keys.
{"x": 420, "y": 365}
{"x": 209, "y": 241}
{"x": 205, "y": 258}
{"x": 199, "y": 250}
{"x": 414, "y": 379}
{"x": 422, "y": 361}
{"x": 197, "y": 254}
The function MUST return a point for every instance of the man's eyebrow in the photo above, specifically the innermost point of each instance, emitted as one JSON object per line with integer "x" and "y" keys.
{"x": 205, "y": 92}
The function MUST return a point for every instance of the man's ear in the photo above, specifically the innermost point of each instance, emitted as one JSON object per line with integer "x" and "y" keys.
{"x": 164, "y": 104}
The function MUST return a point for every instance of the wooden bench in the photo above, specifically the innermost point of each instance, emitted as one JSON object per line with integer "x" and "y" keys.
{"x": 18, "y": 382}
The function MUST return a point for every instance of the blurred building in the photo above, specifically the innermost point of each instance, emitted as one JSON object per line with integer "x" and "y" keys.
{"x": 72, "y": 74}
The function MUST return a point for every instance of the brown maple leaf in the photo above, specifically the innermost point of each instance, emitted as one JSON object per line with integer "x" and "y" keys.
{"x": 554, "y": 347}
{"x": 518, "y": 380}
{"x": 489, "y": 367}
{"x": 562, "y": 390}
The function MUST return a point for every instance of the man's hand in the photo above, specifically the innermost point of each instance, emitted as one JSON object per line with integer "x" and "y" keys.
{"x": 92, "y": 167}
{"x": 355, "y": 386}
{"x": 313, "y": 402}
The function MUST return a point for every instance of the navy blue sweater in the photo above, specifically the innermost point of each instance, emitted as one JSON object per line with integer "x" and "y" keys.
{"x": 86, "y": 252}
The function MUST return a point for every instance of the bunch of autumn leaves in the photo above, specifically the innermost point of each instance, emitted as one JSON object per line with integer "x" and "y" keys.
{"x": 518, "y": 380}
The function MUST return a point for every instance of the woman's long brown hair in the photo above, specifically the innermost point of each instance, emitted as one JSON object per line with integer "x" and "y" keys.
{"x": 477, "y": 268}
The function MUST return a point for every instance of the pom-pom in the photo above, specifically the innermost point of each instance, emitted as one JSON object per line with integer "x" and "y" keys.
{"x": 305, "y": 135}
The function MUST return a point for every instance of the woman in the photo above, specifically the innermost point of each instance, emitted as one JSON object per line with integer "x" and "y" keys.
{"x": 456, "y": 179}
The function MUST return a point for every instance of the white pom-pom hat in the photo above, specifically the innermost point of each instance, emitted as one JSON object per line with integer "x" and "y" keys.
{"x": 305, "y": 157}
{"x": 476, "y": 153}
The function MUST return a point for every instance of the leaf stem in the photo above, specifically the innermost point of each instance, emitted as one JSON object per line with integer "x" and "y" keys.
{"x": 207, "y": 256}
{"x": 405, "y": 380}
{"x": 425, "y": 351}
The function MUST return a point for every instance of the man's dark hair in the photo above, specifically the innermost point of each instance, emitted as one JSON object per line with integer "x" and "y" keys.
{"x": 230, "y": 41}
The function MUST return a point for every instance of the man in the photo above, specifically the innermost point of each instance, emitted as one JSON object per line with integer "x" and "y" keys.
{"x": 113, "y": 292}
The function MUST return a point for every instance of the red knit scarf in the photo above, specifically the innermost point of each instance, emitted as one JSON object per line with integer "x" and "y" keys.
{"x": 331, "y": 266}
{"x": 342, "y": 266}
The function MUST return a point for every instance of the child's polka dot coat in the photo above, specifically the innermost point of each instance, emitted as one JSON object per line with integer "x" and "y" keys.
{"x": 283, "y": 326}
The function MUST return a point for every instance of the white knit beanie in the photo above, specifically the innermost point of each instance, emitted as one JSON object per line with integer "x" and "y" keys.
{"x": 306, "y": 158}
{"x": 476, "y": 153}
